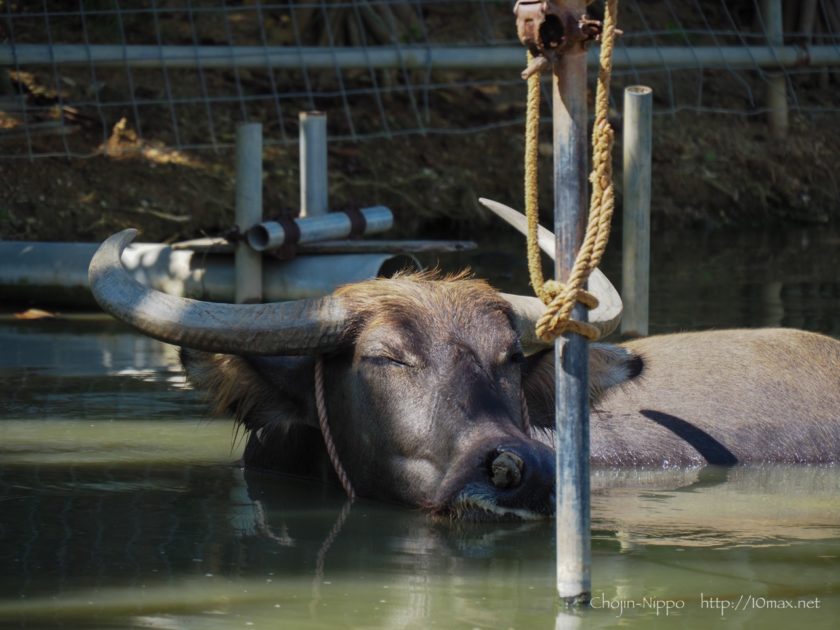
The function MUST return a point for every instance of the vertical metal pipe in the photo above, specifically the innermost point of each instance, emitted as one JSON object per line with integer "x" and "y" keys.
{"x": 777, "y": 115}
{"x": 571, "y": 352}
{"x": 314, "y": 192}
{"x": 808, "y": 19}
{"x": 249, "y": 207}
{"x": 635, "y": 282}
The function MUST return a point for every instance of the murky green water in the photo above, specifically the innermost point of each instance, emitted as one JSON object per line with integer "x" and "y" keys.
{"x": 120, "y": 506}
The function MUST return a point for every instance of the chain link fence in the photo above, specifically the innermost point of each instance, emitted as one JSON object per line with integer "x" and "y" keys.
{"x": 90, "y": 77}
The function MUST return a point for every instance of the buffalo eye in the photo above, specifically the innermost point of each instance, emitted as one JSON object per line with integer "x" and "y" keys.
{"x": 514, "y": 356}
{"x": 388, "y": 359}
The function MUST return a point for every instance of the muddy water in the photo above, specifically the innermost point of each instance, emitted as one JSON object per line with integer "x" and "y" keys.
{"x": 120, "y": 507}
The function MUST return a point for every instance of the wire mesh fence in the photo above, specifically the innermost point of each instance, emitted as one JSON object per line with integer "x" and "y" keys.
{"x": 90, "y": 77}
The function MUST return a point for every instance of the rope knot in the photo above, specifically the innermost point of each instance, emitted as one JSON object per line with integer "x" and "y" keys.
{"x": 552, "y": 290}
{"x": 560, "y": 299}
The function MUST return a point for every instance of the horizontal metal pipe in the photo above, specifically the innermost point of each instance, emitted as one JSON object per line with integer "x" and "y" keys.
{"x": 53, "y": 274}
{"x": 333, "y": 225}
{"x": 452, "y": 57}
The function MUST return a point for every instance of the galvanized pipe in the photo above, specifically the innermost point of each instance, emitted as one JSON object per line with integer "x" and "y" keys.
{"x": 56, "y": 274}
{"x": 807, "y": 19}
{"x": 314, "y": 180}
{"x": 638, "y": 143}
{"x": 467, "y": 57}
{"x": 571, "y": 354}
{"x": 271, "y": 235}
{"x": 777, "y": 106}
{"x": 249, "y": 208}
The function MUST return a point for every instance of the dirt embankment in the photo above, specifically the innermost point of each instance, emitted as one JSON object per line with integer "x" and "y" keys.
{"x": 708, "y": 170}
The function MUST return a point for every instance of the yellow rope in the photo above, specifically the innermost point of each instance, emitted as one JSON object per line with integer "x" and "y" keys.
{"x": 561, "y": 298}
{"x": 532, "y": 133}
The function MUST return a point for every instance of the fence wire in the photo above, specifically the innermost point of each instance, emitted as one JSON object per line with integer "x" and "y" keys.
{"x": 87, "y": 77}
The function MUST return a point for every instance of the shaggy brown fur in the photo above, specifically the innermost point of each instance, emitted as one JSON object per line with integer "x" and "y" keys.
{"x": 422, "y": 300}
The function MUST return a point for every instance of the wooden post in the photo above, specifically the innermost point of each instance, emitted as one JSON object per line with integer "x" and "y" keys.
{"x": 249, "y": 209}
{"x": 314, "y": 191}
{"x": 571, "y": 352}
{"x": 777, "y": 115}
{"x": 638, "y": 110}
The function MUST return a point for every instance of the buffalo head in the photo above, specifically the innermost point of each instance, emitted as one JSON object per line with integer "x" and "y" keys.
{"x": 426, "y": 382}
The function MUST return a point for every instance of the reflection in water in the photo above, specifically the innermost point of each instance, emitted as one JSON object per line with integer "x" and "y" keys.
{"x": 88, "y": 368}
{"x": 113, "y": 545}
{"x": 718, "y": 507}
{"x": 120, "y": 506}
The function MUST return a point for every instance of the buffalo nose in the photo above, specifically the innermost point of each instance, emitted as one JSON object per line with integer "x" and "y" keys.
{"x": 506, "y": 470}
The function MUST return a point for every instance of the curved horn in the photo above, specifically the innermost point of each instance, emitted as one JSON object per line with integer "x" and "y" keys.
{"x": 608, "y": 314}
{"x": 299, "y": 327}
{"x": 527, "y": 310}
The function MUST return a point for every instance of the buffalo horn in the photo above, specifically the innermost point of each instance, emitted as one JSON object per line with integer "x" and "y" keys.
{"x": 299, "y": 327}
{"x": 605, "y": 317}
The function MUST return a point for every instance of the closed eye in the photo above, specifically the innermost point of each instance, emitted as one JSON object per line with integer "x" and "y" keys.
{"x": 513, "y": 356}
{"x": 387, "y": 360}
{"x": 517, "y": 357}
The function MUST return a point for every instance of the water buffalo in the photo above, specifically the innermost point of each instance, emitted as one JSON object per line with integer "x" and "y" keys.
{"x": 439, "y": 395}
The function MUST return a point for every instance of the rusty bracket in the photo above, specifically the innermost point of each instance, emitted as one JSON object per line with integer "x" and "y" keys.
{"x": 549, "y": 30}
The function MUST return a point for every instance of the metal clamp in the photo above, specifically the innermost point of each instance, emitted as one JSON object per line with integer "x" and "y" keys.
{"x": 548, "y": 30}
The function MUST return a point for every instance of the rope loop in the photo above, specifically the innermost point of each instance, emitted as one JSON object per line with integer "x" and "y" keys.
{"x": 560, "y": 299}
{"x": 321, "y": 407}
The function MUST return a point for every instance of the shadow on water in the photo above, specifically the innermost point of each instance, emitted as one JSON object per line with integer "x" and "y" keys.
{"x": 121, "y": 505}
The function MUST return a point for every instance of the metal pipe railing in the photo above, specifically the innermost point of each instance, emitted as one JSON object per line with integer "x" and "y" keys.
{"x": 444, "y": 57}
{"x": 56, "y": 274}
{"x": 270, "y": 235}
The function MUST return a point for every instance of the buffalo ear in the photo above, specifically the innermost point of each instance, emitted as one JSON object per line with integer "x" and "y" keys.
{"x": 609, "y": 365}
{"x": 260, "y": 392}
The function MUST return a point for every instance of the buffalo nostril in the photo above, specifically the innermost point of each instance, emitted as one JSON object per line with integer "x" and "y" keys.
{"x": 506, "y": 470}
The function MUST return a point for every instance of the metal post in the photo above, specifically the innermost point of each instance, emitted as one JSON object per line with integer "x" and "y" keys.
{"x": 248, "y": 210}
{"x": 771, "y": 13}
{"x": 807, "y": 19}
{"x": 571, "y": 352}
{"x": 638, "y": 110}
{"x": 314, "y": 192}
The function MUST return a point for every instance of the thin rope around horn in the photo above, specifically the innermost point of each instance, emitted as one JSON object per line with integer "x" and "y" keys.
{"x": 321, "y": 407}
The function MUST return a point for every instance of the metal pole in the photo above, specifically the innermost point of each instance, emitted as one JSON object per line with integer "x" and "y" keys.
{"x": 777, "y": 115}
{"x": 571, "y": 354}
{"x": 249, "y": 206}
{"x": 807, "y": 19}
{"x": 314, "y": 192}
{"x": 638, "y": 110}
